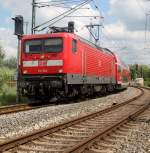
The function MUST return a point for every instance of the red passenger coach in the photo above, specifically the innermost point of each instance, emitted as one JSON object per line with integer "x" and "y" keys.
{"x": 122, "y": 73}
{"x": 63, "y": 64}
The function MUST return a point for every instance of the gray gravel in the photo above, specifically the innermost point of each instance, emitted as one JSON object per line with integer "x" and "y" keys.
{"x": 138, "y": 141}
{"x": 24, "y": 122}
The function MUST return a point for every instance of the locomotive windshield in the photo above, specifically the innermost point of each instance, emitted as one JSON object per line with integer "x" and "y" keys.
{"x": 44, "y": 45}
{"x": 33, "y": 46}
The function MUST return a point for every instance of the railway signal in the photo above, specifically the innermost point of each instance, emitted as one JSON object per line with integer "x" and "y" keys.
{"x": 19, "y": 33}
{"x": 18, "y": 25}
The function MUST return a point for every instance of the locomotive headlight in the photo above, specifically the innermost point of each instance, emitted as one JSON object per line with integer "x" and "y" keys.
{"x": 42, "y": 57}
{"x": 60, "y": 70}
{"x": 25, "y": 72}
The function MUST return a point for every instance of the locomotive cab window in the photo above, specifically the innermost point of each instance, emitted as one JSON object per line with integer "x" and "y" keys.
{"x": 33, "y": 46}
{"x": 44, "y": 45}
{"x": 53, "y": 45}
{"x": 74, "y": 45}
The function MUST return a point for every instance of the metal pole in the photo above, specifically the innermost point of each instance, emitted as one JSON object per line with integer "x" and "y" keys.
{"x": 26, "y": 27}
{"x": 33, "y": 17}
{"x": 18, "y": 97}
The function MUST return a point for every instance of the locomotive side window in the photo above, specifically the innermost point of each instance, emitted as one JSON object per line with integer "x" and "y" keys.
{"x": 53, "y": 45}
{"x": 120, "y": 69}
{"x": 74, "y": 45}
{"x": 33, "y": 46}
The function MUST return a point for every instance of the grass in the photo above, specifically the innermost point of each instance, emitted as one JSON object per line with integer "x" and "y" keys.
{"x": 147, "y": 82}
{"x": 6, "y": 75}
{"x": 7, "y": 95}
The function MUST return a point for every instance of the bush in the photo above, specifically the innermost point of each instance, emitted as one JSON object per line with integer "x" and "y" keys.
{"x": 5, "y": 75}
{"x": 147, "y": 82}
{"x": 8, "y": 95}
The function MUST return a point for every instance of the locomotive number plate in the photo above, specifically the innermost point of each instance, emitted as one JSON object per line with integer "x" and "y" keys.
{"x": 42, "y": 63}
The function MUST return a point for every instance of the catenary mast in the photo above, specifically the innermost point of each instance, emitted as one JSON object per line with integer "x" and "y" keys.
{"x": 33, "y": 16}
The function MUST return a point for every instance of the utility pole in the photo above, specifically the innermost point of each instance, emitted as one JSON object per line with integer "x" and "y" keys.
{"x": 33, "y": 16}
{"x": 26, "y": 27}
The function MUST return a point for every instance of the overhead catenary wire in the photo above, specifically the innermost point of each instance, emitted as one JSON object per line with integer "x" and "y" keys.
{"x": 146, "y": 23}
{"x": 61, "y": 16}
{"x": 108, "y": 37}
{"x": 106, "y": 34}
{"x": 57, "y": 1}
{"x": 94, "y": 29}
{"x": 56, "y": 4}
{"x": 97, "y": 7}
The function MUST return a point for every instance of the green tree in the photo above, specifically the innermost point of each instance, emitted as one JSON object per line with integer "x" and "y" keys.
{"x": 11, "y": 63}
{"x": 2, "y": 55}
{"x": 133, "y": 73}
{"x": 146, "y": 71}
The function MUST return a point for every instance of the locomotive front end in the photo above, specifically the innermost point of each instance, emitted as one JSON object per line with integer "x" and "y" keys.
{"x": 42, "y": 65}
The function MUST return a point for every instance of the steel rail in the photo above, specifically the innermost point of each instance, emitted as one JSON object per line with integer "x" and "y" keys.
{"x": 29, "y": 137}
{"x": 25, "y": 107}
{"x": 14, "y": 108}
{"x": 89, "y": 141}
{"x": 22, "y": 107}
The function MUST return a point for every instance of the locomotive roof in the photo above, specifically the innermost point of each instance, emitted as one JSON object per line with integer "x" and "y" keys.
{"x": 36, "y": 36}
{"x": 65, "y": 34}
{"x": 95, "y": 46}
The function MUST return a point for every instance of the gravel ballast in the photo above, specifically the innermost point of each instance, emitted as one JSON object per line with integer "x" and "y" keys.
{"x": 138, "y": 141}
{"x": 21, "y": 123}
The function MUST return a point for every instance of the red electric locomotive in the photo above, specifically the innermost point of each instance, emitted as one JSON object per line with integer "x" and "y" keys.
{"x": 62, "y": 64}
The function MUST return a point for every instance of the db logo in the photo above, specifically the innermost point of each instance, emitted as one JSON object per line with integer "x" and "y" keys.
{"x": 42, "y": 63}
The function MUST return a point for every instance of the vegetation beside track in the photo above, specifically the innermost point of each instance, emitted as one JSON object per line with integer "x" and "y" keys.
{"x": 7, "y": 72}
{"x": 7, "y": 91}
{"x": 141, "y": 71}
{"x": 7, "y": 95}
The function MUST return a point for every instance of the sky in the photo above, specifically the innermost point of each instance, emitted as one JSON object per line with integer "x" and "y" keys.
{"x": 122, "y": 30}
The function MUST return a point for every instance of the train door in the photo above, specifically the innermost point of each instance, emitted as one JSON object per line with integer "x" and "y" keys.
{"x": 84, "y": 62}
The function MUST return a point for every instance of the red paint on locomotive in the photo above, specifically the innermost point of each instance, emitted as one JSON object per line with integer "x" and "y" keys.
{"x": 69, "y": 59}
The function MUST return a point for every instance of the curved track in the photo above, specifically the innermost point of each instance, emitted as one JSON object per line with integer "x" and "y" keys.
{"x": 14, "y": 108}
{"x": 76, "y": 135}
{"x": 21, "y": 107}
{"x": 34, "y": 105}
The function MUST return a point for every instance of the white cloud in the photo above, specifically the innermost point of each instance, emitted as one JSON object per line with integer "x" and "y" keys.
{"x": 124, "y": 34}
{"x": 128, "y": 44}
{"x": 8, "y": 41}
{"x": 129, "y": 12}
{"x": 17, "y": 7}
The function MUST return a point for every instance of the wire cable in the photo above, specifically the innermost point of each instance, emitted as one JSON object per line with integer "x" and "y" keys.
{"x": 61, "y": 16}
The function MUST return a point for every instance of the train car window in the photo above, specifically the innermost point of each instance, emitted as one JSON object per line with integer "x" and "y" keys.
{"x": 33, "y": 46}
{"x": 74, "y": 45}
{"x": 53, "y": 45}
{"x": 119, "y": 69}
{"x": 125, "y": 79}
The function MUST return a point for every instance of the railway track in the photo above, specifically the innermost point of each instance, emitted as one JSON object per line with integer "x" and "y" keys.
{"x": 14, "y": 108}
{"x": 29, "y": 106}
{"x": 21, "y": 107}
{"x": 79, "y": 134}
